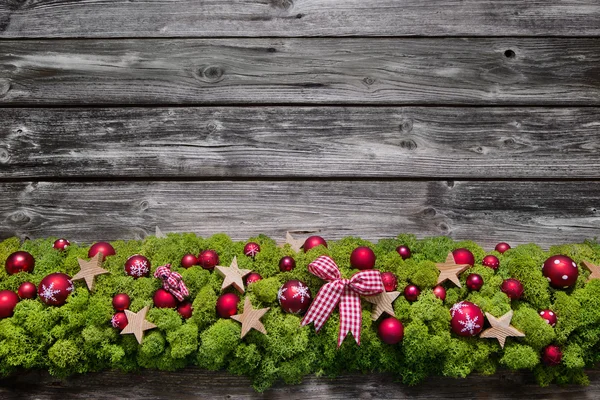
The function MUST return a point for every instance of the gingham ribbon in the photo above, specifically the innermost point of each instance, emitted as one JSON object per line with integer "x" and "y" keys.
{"x": 172, "y": 282}
{"x": 346, "y": 292}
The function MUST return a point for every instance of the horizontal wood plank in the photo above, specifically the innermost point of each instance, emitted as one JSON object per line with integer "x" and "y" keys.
{"x": 332, "y": 71}
{"x": 325, "y": 142}
{"x": 172, "y": 18}
{"x": 487, "y": 212}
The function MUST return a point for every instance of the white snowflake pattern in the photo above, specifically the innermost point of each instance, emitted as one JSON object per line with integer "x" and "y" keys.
{"x": 295, "y": 312}
{"x": 470, "y": 324}
{"x": 49, "y": 292}
{"x": 252, "y": 251}
{"x": 458, "y": 307}
{"x": 139, "y": 269}
{"x": 301, "y": 291}
{"x": 113, "y": 321}
{"x": 280, "y": 295}
{"x": 71, "y": 287}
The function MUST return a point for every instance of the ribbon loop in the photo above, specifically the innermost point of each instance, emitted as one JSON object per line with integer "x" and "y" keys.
{"x": 172, "y": 282}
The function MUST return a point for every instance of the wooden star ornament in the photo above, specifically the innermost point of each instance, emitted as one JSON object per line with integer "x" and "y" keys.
{"x": 501, "y": 328}
{"x": 159, "y": 234}
{"x": 382, "y": 304}
{"x": 233, "y": 275}
{"x": 250, "y": 318}
{"x": 137, "y": 324}
{"x": 89, "y": 270}
{"x": 295, "y": 244}
{"x": 450, "y": 270}
{"x": 594, "y": 270}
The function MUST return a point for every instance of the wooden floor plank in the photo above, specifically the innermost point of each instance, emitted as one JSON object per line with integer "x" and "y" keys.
{"x": 504, "y": 71}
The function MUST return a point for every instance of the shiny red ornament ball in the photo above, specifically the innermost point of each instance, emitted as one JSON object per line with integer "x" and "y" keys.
{"x": 101, "y": 247}
{"x": 55, "y": 288}
{"x": 8, "y": 302}
{"x": 251, "y": 249}
{"x": 208, "y": 259}
{"x": 362, "y": 258}
{"x": 137, "y": 266}
{"x": 412, "y": 292}
{"x": 294, "y": 297}
{"x": 491, "y": 261}
{"x": 390, "y": 282}
{"x": 287, "y": 264}
{"x": 121, "y": 301}
{"x": 549, "y": 316}
{"x": 189, "y": 260}
{"x": 61, "y": 244}
{"x": 551, "y": 355}
{"x": 185, "y": 309}
{"x": 27, "y": 290}
{"x": 313, "y": 241}
{"x": 467, "y": 319}
{"x": 227, "y": 305}
{"x": 474, "y": 282}
{"x": 164, "y": 299}
{"x": 404, "y": 252}
{"x": 390, "y": 330}
{"x": 561, "y": 271}
{"x": 19, "y": 261}
{"x": 513, "y": 288}
{"x": 502, "y": 247}
{"x": 252, "y": 277}
{"x": 119, "y": 320}
{"x": 463, "y": 256}
{"x": 440, "y": 292}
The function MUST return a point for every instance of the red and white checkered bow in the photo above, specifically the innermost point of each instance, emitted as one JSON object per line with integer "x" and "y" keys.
{"x": 172, "y": 282}
{"x": 345, "y": 291}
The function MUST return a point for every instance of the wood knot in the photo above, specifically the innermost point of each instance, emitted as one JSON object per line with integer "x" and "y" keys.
{"x": 408, "y": 144}
{"x": 20, "y": 217}
{"x": 450, "y": 184}
{"x": 144, "y": 205}
{"x": 4, "y": 87}
{"x": 429, "y": 212}
{"x": 368, "y": 81}
{"x": 509, "y": 54}
{"x": 211, "y": 74}
{"x": 211, "y": 126}
{"x": 406, "y": 125}
{"x": 282, "y": 4}
{"x": 4, "y": 156}
{"x": 444, "y": 228}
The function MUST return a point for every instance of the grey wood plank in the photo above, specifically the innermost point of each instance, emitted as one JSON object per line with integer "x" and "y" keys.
{"x": 543, "y": 71}
{"x": 325, "y": 142}
{"x": 485, "y": 211}
{"x": 171, "y": 18}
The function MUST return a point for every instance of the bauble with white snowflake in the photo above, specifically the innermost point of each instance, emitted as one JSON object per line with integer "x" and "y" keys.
{"x": 561, "y": 271}
{"x": 137, "y": 266}
{"x": 251, "y": 249}
{"x": 467, "y": 319}
{"x": 294, "y": 297}
{"x": 119, "y": 320}
{"x": 55, "y": 288}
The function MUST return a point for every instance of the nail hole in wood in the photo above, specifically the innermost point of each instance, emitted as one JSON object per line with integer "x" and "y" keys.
{"x": 509, "y": 54}
{"x": 298, "y": 16}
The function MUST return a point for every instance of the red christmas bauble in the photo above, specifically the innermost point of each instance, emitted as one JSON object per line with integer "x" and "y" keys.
{"x": 61, "y": 244}
{"x": 252, "y": 277}
{"x": 313, "y": 241}
{"x": 440, "y": 292}
{"x": 551, "y": 355}
{"x": 561, "y": 271}
{"x": 8, "y": 302}
{"x": 467, "y": 319}
{"x": 474, "y": 282}
{"x": 463, "y": 256}
{"x": 119, "y": 320}
{"x": 227, "y": 305}
{"x": 390, "y": 282}
{"x": 287, "y": 264}
{"x": 55, "y": 288}
{"x": 208, "y": 259}
{"x": 491, "y": 261}
{"x": 251, "y": 249}
{"x": 27, "y": 290}
{"x": 121, "y": 301}
{"x": 19, "y": 261}
{"x": 185, "y": 309}
{"x": 549, "y": 316}
{"x": 513, "y": 288}
{"x": 502, "y": 247}
{"x": 101, "y": 247}
{"x": 294, "y": 297}
{"x": 137, "y": 266}
{"x": 412, "y": 292}
{"x": 362, "y": 258}
{"x": 390, "y": 330}
{"x": 188, "y": 261}
{"x": 404, "y": 252}
{"x": 164, "y": 299}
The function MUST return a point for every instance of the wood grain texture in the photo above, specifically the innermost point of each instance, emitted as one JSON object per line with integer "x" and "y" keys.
{"x": 326, "y": 142}
{"x": 545, "y": 213}
{"x": 301, "y": 71}
{"x": 171, "y": 18}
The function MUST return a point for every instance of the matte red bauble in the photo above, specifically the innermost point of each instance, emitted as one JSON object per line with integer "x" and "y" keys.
{"x": 27, "y": 290}
{"x": 252, "y": 277}
{"x": 185, "y": 309}
{"x": 137, "y": 266}
{"x": 294, "y": 297}
{"x": 474, "y": 282}
{"x": 101, "y": 247}
{"x": 8, "y": 302}
{"x": 287, "y": 264}
{"x": 19, "y": 261}
{"x": 227, "y": 305}
{"x": 551, "y": 355}
{"x": 561, "y": 271}
{"x": 313, "y": 241}
{"x": 119, "y": 320}
{"x": 55, "y": 288}
{"x": 549, "y": 316}
{"x": 404, "y": 252}
{"x": 61, "y": 244}
{"x": 188, "y": 261}
{"x": 362, "y": 258}
{"x": 513, "y": 288}
{"x": 164, "y": 299}
{"x": 390, "y": 330}
{"x": 390, "y": 282}
{"x": 208, "y": 259}
{"x": 121, "y": 301}
{"x": 440, "y": 292}
{"x": 491, "y": 261}
{"x": 463, "y": 256}
{"x": 502, "y": 247}
{"x": 251, "y": 249}
{"x": 467, "y": 319}
{"x": 412, "y": 292}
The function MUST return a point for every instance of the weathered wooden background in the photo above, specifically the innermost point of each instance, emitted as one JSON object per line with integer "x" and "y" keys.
{"x": 475, "y": 119}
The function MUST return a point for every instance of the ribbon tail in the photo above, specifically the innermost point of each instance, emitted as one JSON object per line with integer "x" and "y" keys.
{"x": 350, "y": 315}
{"x": 323, "y": 305}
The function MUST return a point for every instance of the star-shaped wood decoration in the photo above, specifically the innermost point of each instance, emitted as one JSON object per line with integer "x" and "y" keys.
{"x": 158, "y": 233}
{"x": 501, "y": 328}
{"x": 89, "y": 270}
{"x": 233, "y": 275}
{"x": 594, "y": 270}
{"x": 137, "y": 324}
{"x": 382, "y": 304}
{"x": 250, "y": 318}
{"x": 450, "y": 270}
{"x": 295, "y": 244}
